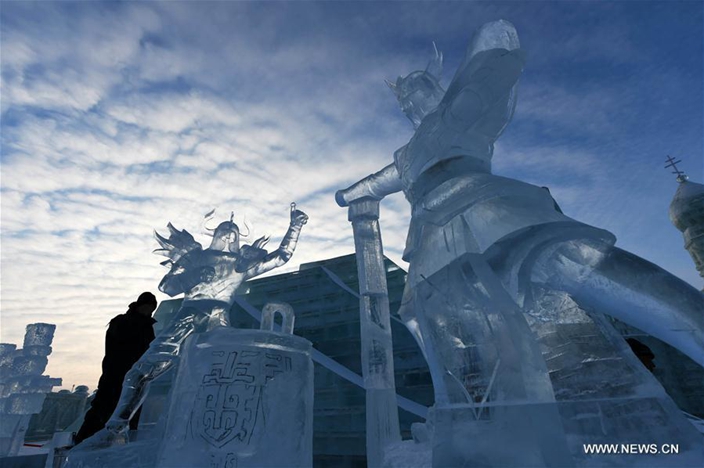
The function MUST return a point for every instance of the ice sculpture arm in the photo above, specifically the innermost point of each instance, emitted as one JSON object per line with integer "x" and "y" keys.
{"x": 376, "y": 186}
{"x": 285, "y": 250}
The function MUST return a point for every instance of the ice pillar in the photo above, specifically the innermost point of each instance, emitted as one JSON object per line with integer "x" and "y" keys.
{"x": 375, "y": 323}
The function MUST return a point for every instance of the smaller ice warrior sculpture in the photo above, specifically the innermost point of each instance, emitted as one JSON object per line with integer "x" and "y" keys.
{"x": 506, "y": 294}
{"x": 208, "y": 278}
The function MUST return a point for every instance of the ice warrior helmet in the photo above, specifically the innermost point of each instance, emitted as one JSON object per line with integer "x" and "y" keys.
{"x": 226, "y": 237}
{"x": 419, "y": 93}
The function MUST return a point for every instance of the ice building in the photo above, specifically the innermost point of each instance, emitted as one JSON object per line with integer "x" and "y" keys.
{"x": 324, "y": 297}
{"x": 59, "y": 411}
{"x": 687, "y": 214}
{"x": 23, "y": 388}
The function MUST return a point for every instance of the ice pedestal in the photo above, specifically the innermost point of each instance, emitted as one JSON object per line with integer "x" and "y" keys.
{"x": 602, "y": 395}
{"x": 507, "y": 436}
{"x": 241, "y": 398}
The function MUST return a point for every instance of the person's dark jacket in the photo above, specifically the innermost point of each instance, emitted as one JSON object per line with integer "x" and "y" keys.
{"x": 127, "y": 338}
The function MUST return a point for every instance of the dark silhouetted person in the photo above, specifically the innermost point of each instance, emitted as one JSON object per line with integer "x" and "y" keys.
{"x": 127, "y": 338}
{"x": 643, "y": 353}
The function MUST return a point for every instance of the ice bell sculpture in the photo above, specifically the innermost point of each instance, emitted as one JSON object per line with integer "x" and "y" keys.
{"x": 243, "y": 398}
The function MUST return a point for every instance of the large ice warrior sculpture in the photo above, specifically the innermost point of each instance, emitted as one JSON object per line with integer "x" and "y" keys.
{"x": 208, "y": 278}
{"x": 505, "y": 293}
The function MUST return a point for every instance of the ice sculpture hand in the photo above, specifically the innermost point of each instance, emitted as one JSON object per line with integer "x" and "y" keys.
{"x": 298, "y": 218}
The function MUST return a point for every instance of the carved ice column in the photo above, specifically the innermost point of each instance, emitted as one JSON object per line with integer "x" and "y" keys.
{"x": 375, "y": 323}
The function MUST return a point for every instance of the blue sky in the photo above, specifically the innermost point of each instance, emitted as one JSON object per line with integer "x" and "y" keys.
{"x": 120, "y": 117}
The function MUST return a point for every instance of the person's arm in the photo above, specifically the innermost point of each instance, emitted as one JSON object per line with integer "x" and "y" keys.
{"x": 375, "y": 186}
{"x": 281, "y": 255}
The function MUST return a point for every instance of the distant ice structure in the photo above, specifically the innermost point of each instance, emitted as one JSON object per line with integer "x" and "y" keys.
{"x": 23, "y": 388}
{"x": 687, "y": 214}
{"x": 208, "y": 278}
{"x": 505, "y": 293}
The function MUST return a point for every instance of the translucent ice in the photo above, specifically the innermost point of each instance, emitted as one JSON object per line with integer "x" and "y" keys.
{"x": 377, "y": 349}
{"x": 39, "y": 334}
{"x": 29, "y": 365}
{"x": 23, "y": 388}
{"x": 502, "y": 286}
{"x": 242, "y": 398}
{"x": 208, "y": 278}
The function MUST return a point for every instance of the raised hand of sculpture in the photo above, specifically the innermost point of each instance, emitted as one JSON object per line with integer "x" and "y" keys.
{"x": 482, "y": 248}
{"x": 208, "y": 278}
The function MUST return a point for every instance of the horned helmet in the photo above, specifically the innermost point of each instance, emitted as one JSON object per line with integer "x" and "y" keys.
{"x": 226, "y": 237}
{"x": 419, "y": 93}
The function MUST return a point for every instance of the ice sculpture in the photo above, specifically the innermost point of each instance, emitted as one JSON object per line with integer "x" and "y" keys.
{"x": 208, "y": 278}
{"x": 23, "y": 388}
{"x": 242, "y": 398}
{"x": 502, "y": 286}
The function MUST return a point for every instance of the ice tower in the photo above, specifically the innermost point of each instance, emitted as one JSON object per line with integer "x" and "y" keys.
{"x": 687, "y": 214}
{"x": 23, "y": 387}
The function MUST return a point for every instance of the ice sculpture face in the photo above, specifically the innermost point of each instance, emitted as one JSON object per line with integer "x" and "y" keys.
{"x": 226, "y": 237}
{"x": 418, "y": 94}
